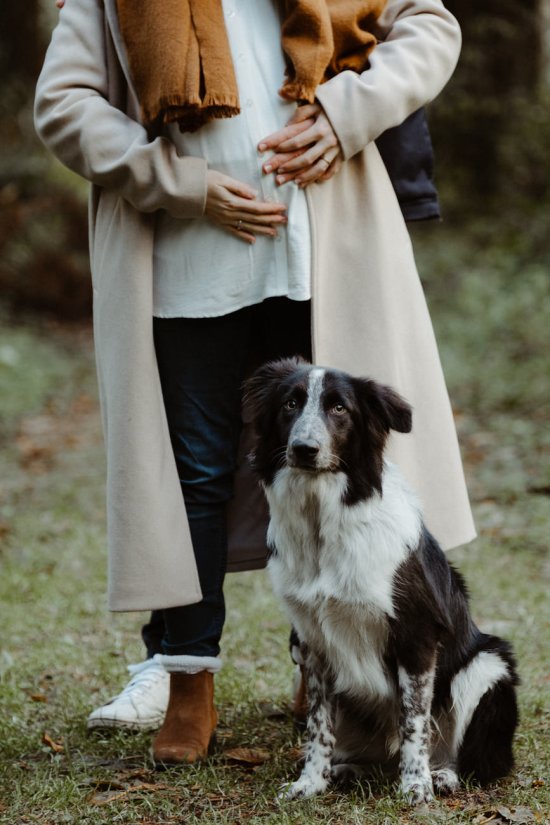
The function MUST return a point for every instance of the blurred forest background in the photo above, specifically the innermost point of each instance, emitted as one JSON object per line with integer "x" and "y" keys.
{"x": 491, "y": 130}
{"x": 486, "y": 272}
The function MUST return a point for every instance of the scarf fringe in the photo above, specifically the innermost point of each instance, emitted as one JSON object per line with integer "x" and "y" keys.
{"x": 293, "y": 90}
{"x": 190, "y": 114}
{"x": 193, "y": 119}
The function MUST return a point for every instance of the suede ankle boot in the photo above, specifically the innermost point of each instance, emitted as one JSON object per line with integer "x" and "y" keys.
{"x": 191, "y": 718}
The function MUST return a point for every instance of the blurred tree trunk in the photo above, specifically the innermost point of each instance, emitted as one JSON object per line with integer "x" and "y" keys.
{"x": 22, "y": 44}
{"x": 21, "y": 41}
{"x": 500, "y": 73}
{"x": 43, "y": 228}
{"x": 544, "y": 11}
{"x": 509, "y": 34}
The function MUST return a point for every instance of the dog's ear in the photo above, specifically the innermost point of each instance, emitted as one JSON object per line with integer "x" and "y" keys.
{"x": 393, "y": 412}
{"x": 259, "y": 388}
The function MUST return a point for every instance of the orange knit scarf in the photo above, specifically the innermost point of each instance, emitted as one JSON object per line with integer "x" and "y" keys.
{"x": 181, "y": 64}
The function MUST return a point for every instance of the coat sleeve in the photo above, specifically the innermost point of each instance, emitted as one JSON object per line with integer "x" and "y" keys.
{"x": 419, "y": 44}
{"x": 90, "y": 135}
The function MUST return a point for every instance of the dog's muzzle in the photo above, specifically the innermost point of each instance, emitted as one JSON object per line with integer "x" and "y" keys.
{"x": 303, "y": 453}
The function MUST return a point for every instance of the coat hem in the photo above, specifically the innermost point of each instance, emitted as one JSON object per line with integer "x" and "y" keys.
{"x": 247, "y": 564}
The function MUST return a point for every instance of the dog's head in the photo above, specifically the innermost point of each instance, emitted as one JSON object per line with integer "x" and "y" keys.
{"x": 322, "y": 420}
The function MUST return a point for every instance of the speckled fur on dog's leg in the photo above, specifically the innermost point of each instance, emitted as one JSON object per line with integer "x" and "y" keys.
{"x": 415, "y": 732}
{"x": 316, "y": 773}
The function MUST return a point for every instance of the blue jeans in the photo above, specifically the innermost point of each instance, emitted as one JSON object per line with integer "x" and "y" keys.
{"x": 202, "y": 364}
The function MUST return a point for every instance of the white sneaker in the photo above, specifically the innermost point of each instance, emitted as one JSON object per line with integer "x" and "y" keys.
{"x": 141, "y": 705}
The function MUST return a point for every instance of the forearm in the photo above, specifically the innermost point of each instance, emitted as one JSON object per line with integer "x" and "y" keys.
{"x": 419, "y": 48}
{"x": 75, "y": 119}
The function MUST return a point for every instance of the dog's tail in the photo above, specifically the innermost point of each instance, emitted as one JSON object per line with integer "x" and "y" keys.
{"x": 486, "y": 750}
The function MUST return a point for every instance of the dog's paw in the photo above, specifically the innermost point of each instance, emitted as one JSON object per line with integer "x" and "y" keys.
{"x": 303, "y": 788}
{"x": 445, "y": 781}
{"x": 417, "y": 791}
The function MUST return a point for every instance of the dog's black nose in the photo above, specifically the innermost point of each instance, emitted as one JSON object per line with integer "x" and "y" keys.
{"x": 305, "y": 450}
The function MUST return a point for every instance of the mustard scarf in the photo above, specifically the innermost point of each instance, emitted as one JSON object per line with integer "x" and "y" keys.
{"x": 181, "y": 65}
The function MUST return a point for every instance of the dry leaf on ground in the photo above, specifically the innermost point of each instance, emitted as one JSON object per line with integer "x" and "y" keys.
{"x": 249, "y": 756}
{"x": 104, "y": 797}
{"x": 508, "y": 816}
{"x": 56, "y": 747}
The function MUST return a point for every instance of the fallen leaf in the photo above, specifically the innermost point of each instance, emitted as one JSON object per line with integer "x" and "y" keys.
{"x": 250, "y": 756}
{"x": 101, "y": 785}
{"x": 134, "y": 776}
{"x": 38, "y": 697}
{"x": 453, "y": 803}
{"x": 519, "y": 815}
{"x": 510, "y": 816}
{"x": 106, "y": 796}
{"x": 149, "y": 786}
{"x": 56, "y": 747}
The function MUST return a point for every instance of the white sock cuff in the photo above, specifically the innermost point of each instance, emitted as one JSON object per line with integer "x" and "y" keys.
{"x": 188, "y": 664}
{"x": 140, "y": 666}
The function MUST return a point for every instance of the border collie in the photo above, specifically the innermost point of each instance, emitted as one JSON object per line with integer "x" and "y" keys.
{"x": 397, "y": 673}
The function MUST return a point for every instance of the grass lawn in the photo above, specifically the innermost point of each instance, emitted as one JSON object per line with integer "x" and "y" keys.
{"x": 62, "y": 653}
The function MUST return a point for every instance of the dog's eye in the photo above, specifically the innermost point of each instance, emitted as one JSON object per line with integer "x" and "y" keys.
{"x": 338, "y": 409}
{"x": 290, "y": 404}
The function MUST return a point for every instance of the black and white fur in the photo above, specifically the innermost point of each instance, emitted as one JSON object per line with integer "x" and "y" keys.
{"x": 398, "y": 675}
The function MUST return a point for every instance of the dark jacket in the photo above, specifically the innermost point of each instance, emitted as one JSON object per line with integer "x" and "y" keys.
{"x": 407, "y": 153}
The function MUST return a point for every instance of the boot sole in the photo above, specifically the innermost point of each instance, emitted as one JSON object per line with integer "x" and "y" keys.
{"x": 114, "y": 724}
{"x": 167, "y": 764}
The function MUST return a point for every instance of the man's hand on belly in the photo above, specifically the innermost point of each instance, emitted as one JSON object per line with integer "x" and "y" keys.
{"x": 306, "y": 149}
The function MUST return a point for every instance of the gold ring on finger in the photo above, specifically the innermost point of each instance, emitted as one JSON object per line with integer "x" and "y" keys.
{"x": 326, "y": 160}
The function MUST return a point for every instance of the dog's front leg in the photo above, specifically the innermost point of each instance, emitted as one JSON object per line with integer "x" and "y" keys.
{"x": 416, "y": 692}
{"x": 316, "y": 773}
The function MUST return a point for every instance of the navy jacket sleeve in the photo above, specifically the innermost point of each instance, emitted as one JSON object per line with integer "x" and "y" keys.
{"x": 407, "y": 153}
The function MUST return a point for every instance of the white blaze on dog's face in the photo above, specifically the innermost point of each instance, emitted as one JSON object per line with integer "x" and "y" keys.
{"x": 316, "y": 416}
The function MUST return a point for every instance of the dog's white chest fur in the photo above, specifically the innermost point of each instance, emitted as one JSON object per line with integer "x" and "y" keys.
{"x": 334, "y": 566}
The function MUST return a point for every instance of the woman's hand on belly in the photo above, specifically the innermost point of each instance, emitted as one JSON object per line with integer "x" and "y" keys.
{"x": 235, "y": 207}
{"x": 306, "y": 149}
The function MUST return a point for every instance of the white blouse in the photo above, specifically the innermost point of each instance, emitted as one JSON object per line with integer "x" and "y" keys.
{"x": 201, "y": 270}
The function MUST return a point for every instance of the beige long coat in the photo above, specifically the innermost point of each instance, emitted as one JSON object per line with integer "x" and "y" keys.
{"x": 369, "y": 313}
